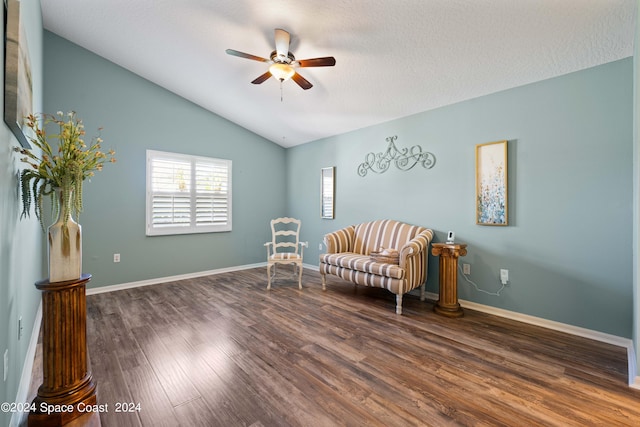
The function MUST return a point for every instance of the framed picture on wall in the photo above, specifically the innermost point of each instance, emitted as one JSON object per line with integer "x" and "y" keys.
{"x": 18, "y": 88}
{"x": 491, "y": 184}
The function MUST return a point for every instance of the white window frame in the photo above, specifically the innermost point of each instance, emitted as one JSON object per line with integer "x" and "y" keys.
{"x": 189, "y": 196}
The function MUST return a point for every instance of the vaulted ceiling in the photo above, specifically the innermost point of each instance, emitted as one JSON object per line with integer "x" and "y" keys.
{"x": 393, "y": 57}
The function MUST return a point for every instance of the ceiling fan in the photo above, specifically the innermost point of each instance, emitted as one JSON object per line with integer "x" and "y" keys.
{"x": 282, "y": 63}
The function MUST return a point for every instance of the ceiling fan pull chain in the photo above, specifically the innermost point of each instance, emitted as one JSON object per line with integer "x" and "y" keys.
{"x": 280, "y": 90}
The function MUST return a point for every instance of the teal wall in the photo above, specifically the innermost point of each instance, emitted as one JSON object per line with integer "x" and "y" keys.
{"x": 137, "y": 115}
{"x": 636, "y": 195}
{"x": 21, "y": 242}
{"x": 568, "y": 246}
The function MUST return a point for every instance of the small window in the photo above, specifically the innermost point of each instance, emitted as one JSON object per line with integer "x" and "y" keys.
{"x": 187, "y": 194}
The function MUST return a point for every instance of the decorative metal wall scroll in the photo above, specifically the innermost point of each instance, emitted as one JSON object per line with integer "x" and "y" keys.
{"x": 404, "y": 159}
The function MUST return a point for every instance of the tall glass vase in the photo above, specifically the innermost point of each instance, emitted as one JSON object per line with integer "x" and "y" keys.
{"x": 64, "y": 242}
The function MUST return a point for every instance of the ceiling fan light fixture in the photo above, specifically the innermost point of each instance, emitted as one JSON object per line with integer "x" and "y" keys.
{"x": 282, "y": 72}
{"x": 283, "y": 64}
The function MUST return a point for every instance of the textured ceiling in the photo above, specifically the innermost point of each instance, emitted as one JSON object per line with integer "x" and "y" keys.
{"x": 394, "y": 57}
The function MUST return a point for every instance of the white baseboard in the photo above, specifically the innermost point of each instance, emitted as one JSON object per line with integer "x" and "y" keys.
{"x": 27, "y": 369}
{"x": 634, "y": 379}
{"x": 130, "y": 285}
{"x": 311, "y": 267}
{"x": 549, "y": 324}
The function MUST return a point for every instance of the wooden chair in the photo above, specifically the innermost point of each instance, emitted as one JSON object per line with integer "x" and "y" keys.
{"x": 285, "y": 247}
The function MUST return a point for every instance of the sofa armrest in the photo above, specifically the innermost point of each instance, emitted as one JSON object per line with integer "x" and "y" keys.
{"x": 341, "y": 240}
{"x": 413, "y": 258}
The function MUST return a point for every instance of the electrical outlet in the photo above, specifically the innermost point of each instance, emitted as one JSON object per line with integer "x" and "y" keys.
{"x": 5, "y": 369}
{"x": 504, "y": 276}
{"x": 116, "y": 257}
{"x": 319, "y": 246}
{"x": 466, "y": 268}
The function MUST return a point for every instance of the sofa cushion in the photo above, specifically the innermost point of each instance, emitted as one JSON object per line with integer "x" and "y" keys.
{"x": 397, "y": 286}
{"x": 371, "y": 236}
{"x": 359, "y": 262}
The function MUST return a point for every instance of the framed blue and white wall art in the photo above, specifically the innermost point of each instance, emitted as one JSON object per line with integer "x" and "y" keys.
{"x": 491, "y": 184}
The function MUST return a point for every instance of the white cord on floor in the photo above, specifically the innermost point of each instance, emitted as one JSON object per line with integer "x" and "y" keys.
{"x": 497, "y": 293}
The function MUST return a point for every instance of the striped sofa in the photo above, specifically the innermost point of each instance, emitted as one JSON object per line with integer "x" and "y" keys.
{"x": 349, "y": 249}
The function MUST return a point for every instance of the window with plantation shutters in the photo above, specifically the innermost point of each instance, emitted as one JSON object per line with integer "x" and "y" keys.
{"x": 187, "y": 194}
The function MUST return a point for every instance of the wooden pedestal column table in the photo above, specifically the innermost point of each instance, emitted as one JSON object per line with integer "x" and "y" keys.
{"x": 447, "y": 304}
{"x": 67, "y": 389}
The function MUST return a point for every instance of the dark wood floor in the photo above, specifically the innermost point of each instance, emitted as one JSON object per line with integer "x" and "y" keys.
{"x": 223, "y": 351}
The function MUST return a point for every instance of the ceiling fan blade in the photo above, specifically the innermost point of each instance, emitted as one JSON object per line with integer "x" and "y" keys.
{"x": 302, "y": 82}
{"x": 282, "y": 39}
{"x": 262, "y": 78}
{"x": 246, "y": 55}
{"x": 327, "y": 61}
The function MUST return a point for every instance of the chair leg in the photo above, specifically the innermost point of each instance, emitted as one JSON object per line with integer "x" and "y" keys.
{"x": 269, "y": 276}
{"x": 423, "y": 292}
{"x": 399, "y": 304}
{"x": 324, "y": 281}
{"x": 299, "y": 277}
